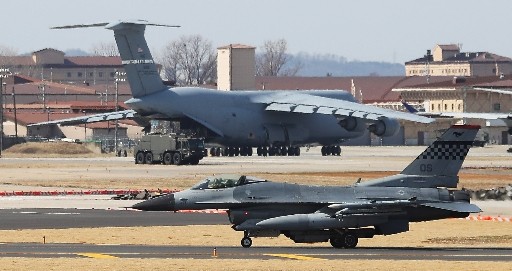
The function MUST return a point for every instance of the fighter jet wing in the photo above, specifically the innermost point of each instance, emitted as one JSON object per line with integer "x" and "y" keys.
{"x": 125, "y": 114}
{"x": 311, "y": 104}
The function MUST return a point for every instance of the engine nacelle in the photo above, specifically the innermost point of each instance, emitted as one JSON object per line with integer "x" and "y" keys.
{"x": 352, "y": 124}
{"x": 385, "y": 127}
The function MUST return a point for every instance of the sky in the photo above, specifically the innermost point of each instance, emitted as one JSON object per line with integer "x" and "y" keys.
{"x": 366, "y": 30}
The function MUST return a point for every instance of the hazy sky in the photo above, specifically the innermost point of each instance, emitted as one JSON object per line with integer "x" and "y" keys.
{"x": 392, "y": 31}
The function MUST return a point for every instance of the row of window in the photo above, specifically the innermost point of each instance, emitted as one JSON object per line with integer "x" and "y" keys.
{"x": 496, "y": 107}
{"x": 90, "y": 74}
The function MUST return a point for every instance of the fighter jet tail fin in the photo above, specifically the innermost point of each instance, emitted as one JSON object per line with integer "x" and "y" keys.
{"x": 141, "y": 70}
{"x": 439, "y": 164}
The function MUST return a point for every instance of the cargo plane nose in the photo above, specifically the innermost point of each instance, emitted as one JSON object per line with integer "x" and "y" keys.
{"x": 162, "y": 203}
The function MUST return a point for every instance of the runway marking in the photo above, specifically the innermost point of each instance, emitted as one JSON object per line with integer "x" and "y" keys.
{"x": 294, "y": 257}
{"x": 97, "y": 255}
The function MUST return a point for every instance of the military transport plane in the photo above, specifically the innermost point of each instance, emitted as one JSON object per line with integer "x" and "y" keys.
{"x": 240, "y": 119}
{"x": 423, "y": 191}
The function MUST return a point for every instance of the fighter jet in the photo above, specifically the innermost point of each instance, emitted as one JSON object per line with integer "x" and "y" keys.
{"x": 425, "y": 190}
{"x": 240, "y": 119}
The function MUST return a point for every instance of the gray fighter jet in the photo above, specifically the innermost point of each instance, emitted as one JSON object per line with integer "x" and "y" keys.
{"x": 423, "y": 191}
{"x": 240, "y": 119}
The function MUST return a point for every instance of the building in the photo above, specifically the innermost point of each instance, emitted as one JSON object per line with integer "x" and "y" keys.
{"x": 236, "y": 67}
{"x": 489, "y": 94}
{"x": 448, "y": 60}
{"x": 54, "y": 66}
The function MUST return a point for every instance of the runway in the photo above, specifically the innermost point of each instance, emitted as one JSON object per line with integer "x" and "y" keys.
{"x": 13, "y": 219}
{"x": 39, "y": 250}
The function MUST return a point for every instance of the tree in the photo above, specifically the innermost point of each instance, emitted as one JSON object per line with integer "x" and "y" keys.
{"x": 6, "y": 54}
{"x": 191, "y": 60}
{"x": 105, "y": 49}
{"x": 274, "y": 61}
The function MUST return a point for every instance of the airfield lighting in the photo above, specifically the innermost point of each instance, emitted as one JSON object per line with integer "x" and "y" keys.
{"x": 119, "y": 77}
{"x": 4, "y": 73}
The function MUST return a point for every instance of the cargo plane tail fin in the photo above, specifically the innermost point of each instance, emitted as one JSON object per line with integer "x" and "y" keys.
{"x": 141, "y": 70}
{"x": 438, "y": 165}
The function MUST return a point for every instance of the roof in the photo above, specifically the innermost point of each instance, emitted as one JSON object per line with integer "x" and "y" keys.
{"x": 236, "y": 46}
{"x": 373, "y": 88}
{"x": 449, "y": 47}
{"x": 475, "y": 57}
{"x": 453, "y": 82}
{"x": 69, "y": 61}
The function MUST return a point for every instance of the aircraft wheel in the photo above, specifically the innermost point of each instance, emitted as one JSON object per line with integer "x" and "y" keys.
{"x": 176, "y": 158}
{"x": 349, "y": 240}
{"x": 264, "y": 151}
{"x": 167, "y": 158}
{"x": 218, "y": 151}
{"x": 297, "y": 151}
{"x": 338, "y": 150}
{"x": 324, "y": 151}
{"x": 246, "y": 242}
{"x": 139, "y": 158}
{"x": 125, "y": 153}
{"x": 336, "y": 241}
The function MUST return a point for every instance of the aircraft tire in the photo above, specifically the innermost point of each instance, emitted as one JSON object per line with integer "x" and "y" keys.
{"x": 336, "y": 241}
{"x": 168, "y": 158}
{"x": 246, "y": 242}
{"x": 349, "y": 240}
{"x": 337, "y": 150}
{"x": 139, "y": 158}
{"x": 176, "y": 158}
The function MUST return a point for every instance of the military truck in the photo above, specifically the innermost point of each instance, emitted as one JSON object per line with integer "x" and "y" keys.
{"x": 169, "y": 149}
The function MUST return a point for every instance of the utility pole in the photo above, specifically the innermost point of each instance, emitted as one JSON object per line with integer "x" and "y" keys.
{"x": 15, "y": 116}
{"x": 4, "y": 73}
{"x": 120, "y": 77}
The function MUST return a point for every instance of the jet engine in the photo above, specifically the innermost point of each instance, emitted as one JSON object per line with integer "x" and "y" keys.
{"x": 352, "y": 124}
{"x": 385, "y": 127}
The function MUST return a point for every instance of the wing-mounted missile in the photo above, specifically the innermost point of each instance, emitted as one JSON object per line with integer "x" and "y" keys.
{"x": 372, "y": 204}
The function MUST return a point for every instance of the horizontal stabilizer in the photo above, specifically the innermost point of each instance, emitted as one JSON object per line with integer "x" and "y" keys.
{"x": 461, "y": 207}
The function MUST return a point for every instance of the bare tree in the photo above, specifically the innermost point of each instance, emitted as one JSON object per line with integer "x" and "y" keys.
{"x": 6, "y": 54}
{"x": 105, "y": 49}
{"x": 191, "y": 60}
{"x": 274, "y": 61}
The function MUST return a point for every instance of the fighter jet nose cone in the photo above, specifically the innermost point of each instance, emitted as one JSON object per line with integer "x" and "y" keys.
{"x": 162, "y": 203}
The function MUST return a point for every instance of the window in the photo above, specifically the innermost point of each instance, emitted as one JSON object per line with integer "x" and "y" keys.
{"x": 453, "y": 106}
{"x": 68, "y": 75}
{"x": 100, "y": 74}
{"x": 458, "y": 107}
{"x": 439, "y": 107}
{"x": 445, "y": 107}
{"x": 496, "y": 107}
{"x": 79, "y": 74}
{"x": 91, "y": 74}
{"x": 433, "y": 107}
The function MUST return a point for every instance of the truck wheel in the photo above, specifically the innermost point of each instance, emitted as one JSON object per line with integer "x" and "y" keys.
{"x": 149, "y": 158}
{"x": 194, "y": 161}
{"x": 139, "y": 158}
{"x": 167, "y": 158}
{"x": 176, "y": 159}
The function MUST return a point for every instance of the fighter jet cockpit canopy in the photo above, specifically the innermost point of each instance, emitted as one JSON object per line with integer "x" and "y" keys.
{"x": 225, "y": 181}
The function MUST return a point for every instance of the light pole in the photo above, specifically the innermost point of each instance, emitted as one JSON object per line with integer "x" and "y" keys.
{"x": 120, "y": 77}
{"x": 4, "y": 73}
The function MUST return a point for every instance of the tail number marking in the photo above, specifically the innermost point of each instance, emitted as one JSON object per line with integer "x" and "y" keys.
{"x": 426, "y": 167}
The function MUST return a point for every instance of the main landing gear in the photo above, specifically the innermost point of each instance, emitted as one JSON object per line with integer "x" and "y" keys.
{"x": 344, "y": 240}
